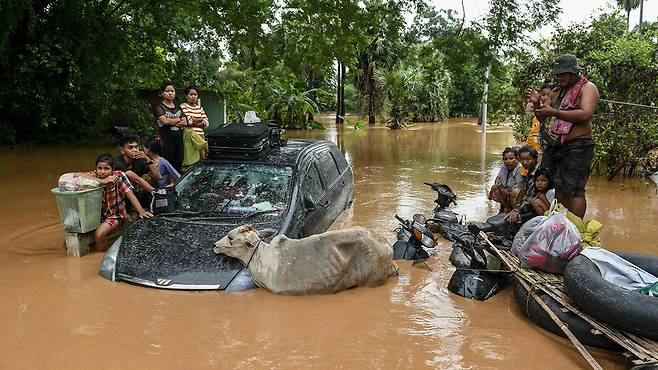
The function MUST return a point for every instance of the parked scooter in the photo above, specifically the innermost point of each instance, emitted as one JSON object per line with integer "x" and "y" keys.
{"x": 444, "y": 198}
{"x": 413, "y": 237}
{"x": 476, "y": 276}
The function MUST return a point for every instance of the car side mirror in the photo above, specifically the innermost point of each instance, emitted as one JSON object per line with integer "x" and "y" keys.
{"x": 309, "y": 204}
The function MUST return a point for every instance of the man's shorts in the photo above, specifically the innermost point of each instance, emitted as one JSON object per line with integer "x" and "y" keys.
{"x": 570, "y": 166}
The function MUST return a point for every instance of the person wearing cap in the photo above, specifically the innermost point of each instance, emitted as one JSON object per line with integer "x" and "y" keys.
{"x": 566, "y": 132}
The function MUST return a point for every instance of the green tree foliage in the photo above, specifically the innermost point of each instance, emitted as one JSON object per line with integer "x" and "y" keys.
{"x": 628, "y": 5}
{"x": 70, "y": 69}
{"x": 382, "y": 26}
{"x": 430, "y": 102}
{"x": 400, "y": 87}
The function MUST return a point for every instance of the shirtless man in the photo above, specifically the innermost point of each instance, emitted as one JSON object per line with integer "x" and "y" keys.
{"x": 568, "y": 155}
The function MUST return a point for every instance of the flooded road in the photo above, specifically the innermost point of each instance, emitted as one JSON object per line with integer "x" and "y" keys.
{"x": 57, "y": 312}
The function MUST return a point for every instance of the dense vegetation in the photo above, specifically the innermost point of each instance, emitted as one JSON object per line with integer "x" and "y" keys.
{"x": 71, "y": 69}
{"x": 624, "y": 66}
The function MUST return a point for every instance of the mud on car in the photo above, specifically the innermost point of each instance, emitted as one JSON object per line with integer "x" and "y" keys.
{"x": 298, "y": 188}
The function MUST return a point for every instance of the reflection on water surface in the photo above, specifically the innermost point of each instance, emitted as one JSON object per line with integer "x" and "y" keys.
{"x": 58, "y": 313}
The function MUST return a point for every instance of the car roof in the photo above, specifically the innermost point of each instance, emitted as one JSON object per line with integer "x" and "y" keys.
{"x": 287, "y": 155}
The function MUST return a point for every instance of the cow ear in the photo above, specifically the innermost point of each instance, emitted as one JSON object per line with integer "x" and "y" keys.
{"x": 251, "y": 239}
{"x": 266, "y": 233}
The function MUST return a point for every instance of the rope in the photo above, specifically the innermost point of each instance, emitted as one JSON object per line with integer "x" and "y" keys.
{"x": 627, "y": 103}
{"x": 245, "y": 266}
{"x": 532, "y": 288}
{"x": 487, "y": 270}
{"x": 252, "y": 255}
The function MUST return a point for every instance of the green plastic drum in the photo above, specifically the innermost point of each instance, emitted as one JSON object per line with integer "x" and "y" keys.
{"x": 80, "y": 210}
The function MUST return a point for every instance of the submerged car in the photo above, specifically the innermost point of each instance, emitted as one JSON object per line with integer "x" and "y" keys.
{"x": 299, "y": 189}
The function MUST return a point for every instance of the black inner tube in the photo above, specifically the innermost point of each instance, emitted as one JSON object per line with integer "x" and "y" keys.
{"x": 579, "y": 327}
{"x": 631, "y": 311}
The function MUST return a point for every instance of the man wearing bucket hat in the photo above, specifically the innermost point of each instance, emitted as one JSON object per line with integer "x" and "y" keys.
{"x": 566, "y": 132}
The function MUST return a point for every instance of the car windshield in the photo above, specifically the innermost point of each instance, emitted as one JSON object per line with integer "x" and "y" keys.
{"x": 234, "y": 188}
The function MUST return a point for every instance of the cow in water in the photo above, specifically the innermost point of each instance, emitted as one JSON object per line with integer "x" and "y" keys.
{"x": 325, "y": 263}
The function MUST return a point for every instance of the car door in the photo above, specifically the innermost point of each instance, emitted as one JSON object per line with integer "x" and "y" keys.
{"x": 313, "y": 201}
{"x": 345, "y": 183}
{"x": 332, "y": 184}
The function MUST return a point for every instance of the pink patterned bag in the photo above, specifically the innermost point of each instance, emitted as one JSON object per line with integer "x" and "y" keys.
{"x": 554, "y": 243}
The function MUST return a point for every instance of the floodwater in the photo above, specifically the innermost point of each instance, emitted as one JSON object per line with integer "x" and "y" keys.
{"x": 57, "y": 312}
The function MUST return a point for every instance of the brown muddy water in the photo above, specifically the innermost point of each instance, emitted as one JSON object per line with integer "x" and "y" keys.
{"x": 56, "y": 312}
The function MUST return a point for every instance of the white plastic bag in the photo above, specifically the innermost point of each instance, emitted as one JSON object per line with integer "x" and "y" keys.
{"x": 71, "y": 182}
{"x": 552, "y": 245}
{"x": 524, "y": 233}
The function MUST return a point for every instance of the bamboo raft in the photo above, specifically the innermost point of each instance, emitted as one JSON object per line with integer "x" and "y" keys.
{"x": 639, "y": 350}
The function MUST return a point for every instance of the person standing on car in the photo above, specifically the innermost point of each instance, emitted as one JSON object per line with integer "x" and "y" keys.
{"x": 195, "y": 145}
{"x": 170, "y": 120}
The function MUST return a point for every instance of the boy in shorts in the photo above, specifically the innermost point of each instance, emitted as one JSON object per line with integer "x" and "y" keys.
{"x": 117, "y": 189}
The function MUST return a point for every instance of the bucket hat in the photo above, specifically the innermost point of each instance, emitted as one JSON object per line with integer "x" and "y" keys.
{"x": 565, "y": 64}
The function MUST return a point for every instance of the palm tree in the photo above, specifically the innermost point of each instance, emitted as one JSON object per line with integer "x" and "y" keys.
{"x": 382, "y": 51}
{"x": 628, "y": 5}
{"x": 400, "y": 86}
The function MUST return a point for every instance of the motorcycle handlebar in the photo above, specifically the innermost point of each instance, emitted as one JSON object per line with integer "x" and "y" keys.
{"x": 400, "y": 219}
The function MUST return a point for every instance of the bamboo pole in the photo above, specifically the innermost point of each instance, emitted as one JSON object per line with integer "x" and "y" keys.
{"x": 565, "y": 329}
{"x": 643, "y": 349}
{"x": 579, "y": 346}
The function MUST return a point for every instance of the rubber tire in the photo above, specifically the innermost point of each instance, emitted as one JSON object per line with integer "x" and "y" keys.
{"x": 579, "y": 327}
{"x": 624, "y": 309}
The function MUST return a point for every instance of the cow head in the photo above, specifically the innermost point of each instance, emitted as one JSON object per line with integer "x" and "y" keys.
{"x": 241, "y": 241}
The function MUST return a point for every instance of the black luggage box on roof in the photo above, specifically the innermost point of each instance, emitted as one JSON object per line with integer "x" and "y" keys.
{"x": 239, "y": 141}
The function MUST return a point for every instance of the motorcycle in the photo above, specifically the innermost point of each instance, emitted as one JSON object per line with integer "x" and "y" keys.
{"x": 477, "y": 275}
{"x": 444, "y": 198}
{"x": 412, "y": 238}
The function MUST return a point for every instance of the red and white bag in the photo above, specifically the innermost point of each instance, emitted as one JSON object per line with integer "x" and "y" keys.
{"x": 554, "y": 243}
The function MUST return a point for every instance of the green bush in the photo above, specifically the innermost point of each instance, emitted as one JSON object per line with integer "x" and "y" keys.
{"x": 626, "y": 140}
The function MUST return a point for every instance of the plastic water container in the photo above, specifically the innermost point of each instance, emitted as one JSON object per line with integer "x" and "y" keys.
{"x": 80, "y": 210}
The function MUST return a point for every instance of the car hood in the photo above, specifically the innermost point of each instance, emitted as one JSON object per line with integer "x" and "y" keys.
{"x": 177, "y": 253}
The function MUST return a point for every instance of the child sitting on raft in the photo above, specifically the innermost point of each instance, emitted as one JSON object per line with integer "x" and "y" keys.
{"x": 544, "y": 192}
{"x": 113, "y": 209}
{"x": 508, "y": 178}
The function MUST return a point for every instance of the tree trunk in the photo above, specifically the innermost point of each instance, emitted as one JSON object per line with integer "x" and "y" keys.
{"x": 641, "y": 11}
{"x": 628, "y": 20}
{"x": 371, "y": 99}
{"x": 309, "y": 86}
{"x": 343, "y": 71}
{"x": 485, "y": 97}
{"x": 461, "y": 25}
{"x": 339, "y": 81}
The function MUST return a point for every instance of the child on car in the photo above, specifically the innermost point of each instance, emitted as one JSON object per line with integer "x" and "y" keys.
{"x": 113, "y": 209}
{"x": 168, "y": 172}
